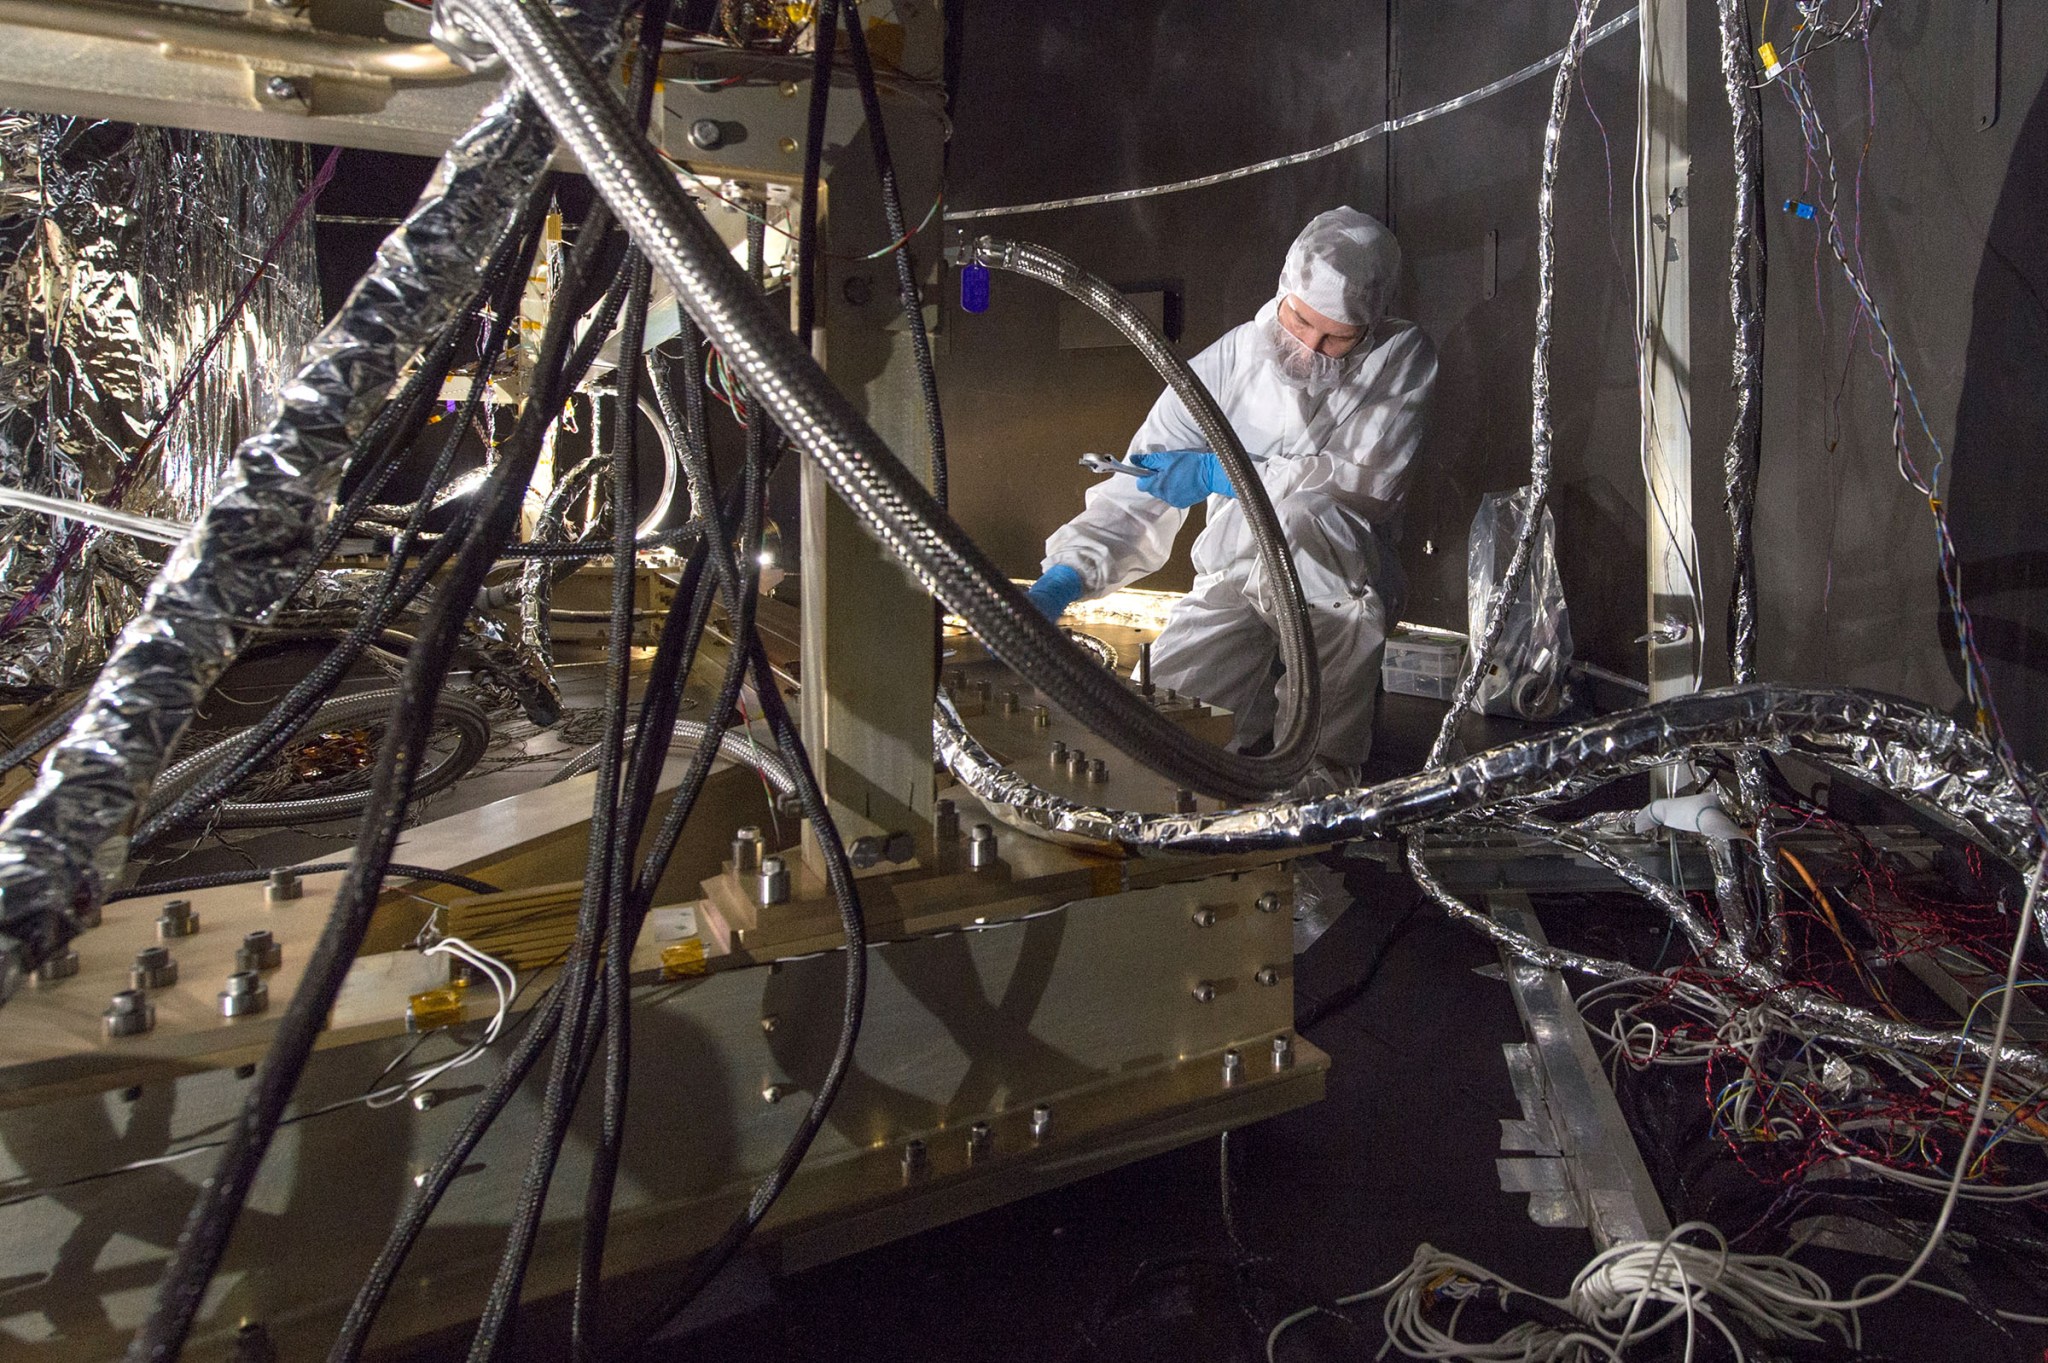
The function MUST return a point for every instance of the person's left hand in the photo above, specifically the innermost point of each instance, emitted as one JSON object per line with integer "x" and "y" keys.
{"x": 1183, "y": 477}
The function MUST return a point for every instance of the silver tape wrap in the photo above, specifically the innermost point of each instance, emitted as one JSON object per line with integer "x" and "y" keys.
{"x": 126, "y": 248}
{"x": 1540, "y": 433}
{"x": 1740, "y": 461}
{"x": 1907, "y": 749}
{"x": 1550, "y": 957}
{"x": 61, "y": 841}
{"x": 537, "y": 575}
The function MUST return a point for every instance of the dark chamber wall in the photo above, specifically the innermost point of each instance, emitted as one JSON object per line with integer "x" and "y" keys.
{"x": 1064, "y": 98}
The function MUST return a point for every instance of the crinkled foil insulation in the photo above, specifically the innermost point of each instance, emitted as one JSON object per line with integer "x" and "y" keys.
{"x": 121, "y": 251}
{"x": 61, "y": 841}
{"x": 1916, "y": 753}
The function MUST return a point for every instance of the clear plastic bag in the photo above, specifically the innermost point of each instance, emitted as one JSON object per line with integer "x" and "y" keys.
{"x": 1525, "y": 677}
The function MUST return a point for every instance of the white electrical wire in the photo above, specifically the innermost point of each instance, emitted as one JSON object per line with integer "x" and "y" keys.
{"x": 503, "y": 979}
{"x": 1376, "y": 131}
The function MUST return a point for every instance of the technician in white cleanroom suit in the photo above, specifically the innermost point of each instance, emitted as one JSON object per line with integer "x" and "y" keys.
{"x": 1331, "y": 394}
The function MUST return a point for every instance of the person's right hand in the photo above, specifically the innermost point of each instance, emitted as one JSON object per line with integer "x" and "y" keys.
{"x": 1059, "y": 588}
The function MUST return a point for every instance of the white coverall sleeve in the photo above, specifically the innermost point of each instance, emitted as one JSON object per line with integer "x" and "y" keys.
{"x": 1366, "y": 466}
{"x": 1124, "y": 534}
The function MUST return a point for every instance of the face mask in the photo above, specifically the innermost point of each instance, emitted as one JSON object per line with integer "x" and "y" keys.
{"x": 1299, "y": 367}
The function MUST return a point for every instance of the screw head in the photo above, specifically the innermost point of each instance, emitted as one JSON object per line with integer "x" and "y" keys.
{"x": 1204, "y": 992}
{"x": 772, "y": 1094}
{"x": 60, "y": 966}
{"x": 154, "y": 968}
{"x": 1041, "y": 1121}
{"x": 425, "y": 1100}
{"x": 259, "y": 951}
{"x": 789, "y": 89}
{"x": 769, "y": 1023}
{"x": 1098, "y": 771}
{"x": 1283, "y": 1052}
{"x": 916, "y": 1159}
{"x": 980, "y": 1141}
{"x": 1204, "y": 918}
{"x": 1269, "y": 903}
{"x": 705, "y": 134}
{"x": 128, "y": 1014}
{"x": 788, "y": 145}
{"x": 1056, "y": 753}
{"x": 1267, "y": 975}
{"x": 1041, "y": 717}
{"x": 1233, "y": 1066}
{"x": 177, "y": 920}
{"x": 246, "y": 993}
{"x": 282, "y": 88}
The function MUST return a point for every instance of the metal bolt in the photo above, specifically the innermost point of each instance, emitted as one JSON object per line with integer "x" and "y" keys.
{"x": 1233, "y": 1066}
{"x": 130, "y": 1014}
{"x": 1041, "y": 717}
{"x": 246, "y": 993}
{"x": 916, "y": 1160}
{"x": 61, "y": 966}
{"x": 705, "y": 134}
{"x": 986, "y": 690}
{"x": 177, "y": 920}
{"x": 746, "y": 851}
{"x": 771, "y": 885}
{"x": 153, "y": 969}
{"x": 1077, "y": 762}
{"x": 284, "y": 885}
{"x": 1057, "y": 753}
{"x": 1007, "y": 702}
{"x": 979, "y": 1142}
{"x": 1183, "y": 802}
{"x": 772, "y": 1094}
{"x": 259, "y": 951}
{"x": 769, "y": 1023}
{"x": 865, "y": 851}
{"x": 283, "y": 88}
{"x": 1144, "y": 671}
{"x": 1269, "y": 903}
{"x": 1041, "y": 1121}
{"x": 789, "y": 89}
{"x": 1283, "y": 1053}
{"x": 981, "y": 847}
{"x": 1204, "y": 918}
{"x": 1204, "y": 992}
{"x": 1267, "y": 975}
{"x": 946, "y": 820}
{"x": 426, "y": 1100}
{"x": 788, "y": 145}
{"x": 898, "y": 848}
{"x": 1098, "y": 771}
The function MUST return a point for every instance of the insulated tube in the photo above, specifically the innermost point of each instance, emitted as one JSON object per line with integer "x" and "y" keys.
{"x": 821, "y": 421}
{"x": 66, "y": 838}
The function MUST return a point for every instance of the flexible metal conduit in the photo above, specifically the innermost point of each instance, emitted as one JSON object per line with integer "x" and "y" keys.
{"x": 888, "y": 499}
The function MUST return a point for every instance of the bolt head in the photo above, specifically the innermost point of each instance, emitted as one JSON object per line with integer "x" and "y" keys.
{"x": 865, "y": 852}
{"x": 1204, "y": 992}
{"x": 789, "y": 89}
{"x": 788, "y": 146}
{"x": 1041, "y": 1121}
{"x": 282, "y": 88}
{"x": 425, "y": 1100}
{"x": 1269, "y": 903}
{"x": 772, "y": 1094}
{"x": 1267, "y": 975}
{"x": 1204, "y": 918}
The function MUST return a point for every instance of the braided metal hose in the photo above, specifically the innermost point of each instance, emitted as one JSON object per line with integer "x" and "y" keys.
{"x": 1297, "y": 641}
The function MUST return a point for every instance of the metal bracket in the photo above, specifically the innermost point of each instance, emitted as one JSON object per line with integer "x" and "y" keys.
{"x": 1587, "y": 1170}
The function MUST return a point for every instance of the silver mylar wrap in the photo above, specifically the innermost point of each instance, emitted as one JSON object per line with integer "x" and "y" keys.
{"x": 121, "y": 250}
{"x": 59, "y": 843}
{"x": 1908, "y": 749}
{"x": 1540, "y": 433}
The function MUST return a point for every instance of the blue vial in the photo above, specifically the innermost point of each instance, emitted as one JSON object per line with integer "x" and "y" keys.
{"x": 974, "y": 287}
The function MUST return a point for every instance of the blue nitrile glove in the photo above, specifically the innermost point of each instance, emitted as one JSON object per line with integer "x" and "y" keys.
{"x": 1183, "y": 477}
{"x": 1058, "y": 589}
